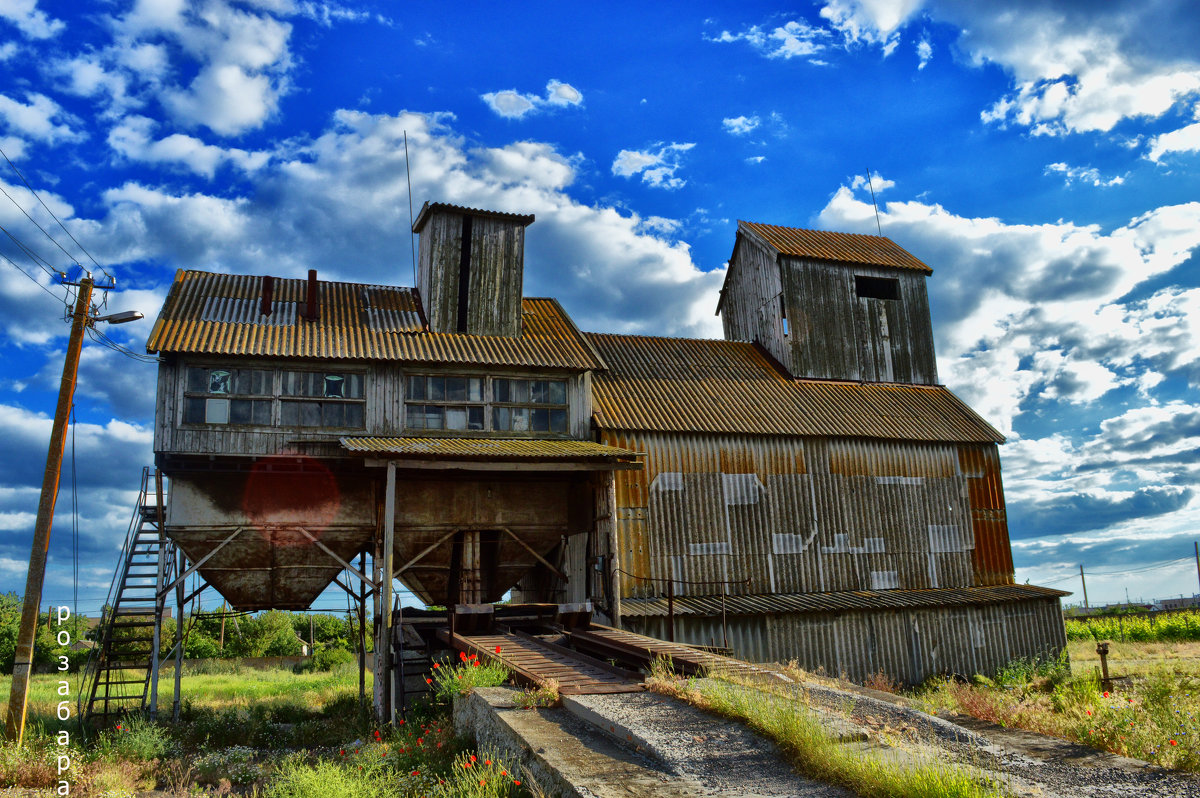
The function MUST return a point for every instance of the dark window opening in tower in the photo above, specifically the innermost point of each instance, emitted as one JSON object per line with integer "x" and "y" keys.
{"x": 876, "y": 287}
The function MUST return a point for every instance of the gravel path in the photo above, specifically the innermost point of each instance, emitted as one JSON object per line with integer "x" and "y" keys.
{"x": 729, "y": 759}
{"x": 726, "y": 759}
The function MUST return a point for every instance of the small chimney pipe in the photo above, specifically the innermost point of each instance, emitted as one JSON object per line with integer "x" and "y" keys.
{"x": 310, "y": 312}
{"x": 268, "y": 292}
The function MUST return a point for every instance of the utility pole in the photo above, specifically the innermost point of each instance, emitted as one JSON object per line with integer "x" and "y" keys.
{"x": 23, "y": 662}
{"x": 1197, "y": 545}
{"x": 221, "y": 645}
{"x": 1082, "y": 579}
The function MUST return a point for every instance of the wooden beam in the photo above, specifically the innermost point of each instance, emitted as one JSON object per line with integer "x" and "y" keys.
{"x": 540, "y": 558}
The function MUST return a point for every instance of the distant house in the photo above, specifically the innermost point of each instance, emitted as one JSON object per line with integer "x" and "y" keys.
{"x": 804, "y": 489}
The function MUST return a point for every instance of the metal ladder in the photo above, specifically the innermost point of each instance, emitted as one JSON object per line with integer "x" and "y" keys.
{"x": 119, "y": 670}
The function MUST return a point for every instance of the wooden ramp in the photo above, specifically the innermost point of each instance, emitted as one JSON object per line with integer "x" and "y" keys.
{"x": 607, "y": 642}
{"x": 538, "y": 662}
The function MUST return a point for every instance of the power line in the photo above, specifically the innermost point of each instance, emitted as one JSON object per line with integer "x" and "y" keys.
{"x": 10, "y": 262}
{"x": 60, "y": 224}
{"x": 38, "y": 226}
{"x": 28, "y": 251}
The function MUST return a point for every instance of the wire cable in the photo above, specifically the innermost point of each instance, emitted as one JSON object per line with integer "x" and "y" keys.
{"x": 60, "y": 224}
{"x": 12, "y": 263}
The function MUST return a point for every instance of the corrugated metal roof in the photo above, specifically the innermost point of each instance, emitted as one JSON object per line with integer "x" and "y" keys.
{"x": 486, "y": 448}
{"x": 709, "y": 606}
{"x": 695, "y": 385}
{"x": 207, "y": 313}
{"x": 838, "y": 247}
{"x": 523, "y": 219}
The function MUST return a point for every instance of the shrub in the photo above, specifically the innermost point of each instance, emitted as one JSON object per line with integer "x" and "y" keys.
{"x": 326, "y": 659}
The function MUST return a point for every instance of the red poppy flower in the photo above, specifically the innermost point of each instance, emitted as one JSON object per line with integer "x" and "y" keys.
{"x": 497, "y": 649}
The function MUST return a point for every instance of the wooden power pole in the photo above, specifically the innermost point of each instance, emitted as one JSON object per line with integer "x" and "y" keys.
{"x": 23, "y": 662}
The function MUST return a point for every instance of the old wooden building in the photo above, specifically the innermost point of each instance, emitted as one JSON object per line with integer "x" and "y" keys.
{"x": 804, "y": 490}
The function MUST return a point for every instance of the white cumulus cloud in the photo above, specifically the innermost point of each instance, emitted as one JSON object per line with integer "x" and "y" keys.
{"x": 740, "y": 125}
{"x": 657, "y": 165}
{"x": 512, "y": 104}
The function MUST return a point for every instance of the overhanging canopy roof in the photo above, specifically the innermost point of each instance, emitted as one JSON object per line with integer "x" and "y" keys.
{"x": 779, "y": 603}
{"x": 511, "y": 452}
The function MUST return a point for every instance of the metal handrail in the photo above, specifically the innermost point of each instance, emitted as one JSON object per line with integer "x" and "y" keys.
{"x": 671, "y": 582}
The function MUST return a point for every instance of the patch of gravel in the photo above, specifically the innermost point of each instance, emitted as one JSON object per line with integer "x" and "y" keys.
{"x": 724, "y": 758}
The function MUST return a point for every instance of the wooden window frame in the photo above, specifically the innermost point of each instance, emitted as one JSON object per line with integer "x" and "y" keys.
{"x": 273, "y": 395}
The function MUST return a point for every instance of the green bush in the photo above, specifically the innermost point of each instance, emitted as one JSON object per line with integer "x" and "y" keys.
{"x": 326, "y": 659}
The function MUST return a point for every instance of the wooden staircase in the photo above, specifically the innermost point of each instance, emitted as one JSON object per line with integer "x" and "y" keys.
{"x": 118, "y": 674}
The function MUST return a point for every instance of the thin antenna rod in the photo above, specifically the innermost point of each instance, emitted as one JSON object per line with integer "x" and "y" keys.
{"x": 873, "y": 205}
{"x": 412, "y": 237}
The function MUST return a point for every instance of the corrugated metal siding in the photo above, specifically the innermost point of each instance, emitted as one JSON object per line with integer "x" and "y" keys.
{"x": 909, "y": 645}
{"x": 691, "y": 385}
{"x": 993, "y": 550}
{"x": 839, "y": 247}
{"x": 791, "y": 515}
{"x": 356, "y": 322}
{"x": 484, "y": 448}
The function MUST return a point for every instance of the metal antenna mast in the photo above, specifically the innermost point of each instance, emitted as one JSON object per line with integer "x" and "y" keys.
{"x": 411, "y": 235}
{"x": 871, "y": 185}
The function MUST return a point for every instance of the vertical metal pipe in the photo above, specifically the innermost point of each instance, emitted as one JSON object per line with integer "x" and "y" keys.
{"x": 362, "y": 631}
{"x": 180, "y": 567}
{"x": 671, "y": 609}
{"x": 23, "y": 661}
{"x": 389, "y": 537}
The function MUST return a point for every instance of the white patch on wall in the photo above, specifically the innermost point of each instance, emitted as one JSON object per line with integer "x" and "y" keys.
{"x": 789, "y": 543}
{"x": 977, "y": 638}
{"x": 841, "y": 545}
{"x": 899, "y": 480}
{"x": 885, "y": 580}
{"x": 947, "y": 539}
{"x": 741, "y": 488}
{"x": 668, "y": 480}
{"x": 695, "y": 549}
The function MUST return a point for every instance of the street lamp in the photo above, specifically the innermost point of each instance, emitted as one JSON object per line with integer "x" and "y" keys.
{"x": 23, "y": 661}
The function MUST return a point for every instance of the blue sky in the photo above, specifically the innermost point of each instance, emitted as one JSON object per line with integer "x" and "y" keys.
{"x": 1042, "y": 157}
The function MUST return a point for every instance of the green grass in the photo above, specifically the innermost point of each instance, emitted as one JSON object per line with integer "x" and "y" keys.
{"x": 1154, "y": 715}
{"x": 812, "y": 751}
{"x": 262, "y": 732}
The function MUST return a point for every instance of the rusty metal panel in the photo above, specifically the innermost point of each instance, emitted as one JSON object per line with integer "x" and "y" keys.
{"x": 749, "y": 515}
{"x": 690, "y": 385}
{"x": 430, "y": 512}
{"x": 856, "y": 248}
{"x": 271, "y": 564}
{"x": 486, "y": 448}
{"x": 908, "y": 644}
{"x": 992, "y": 561}
{"x": 430, "y": 210}
{"x": 362, "y": 322}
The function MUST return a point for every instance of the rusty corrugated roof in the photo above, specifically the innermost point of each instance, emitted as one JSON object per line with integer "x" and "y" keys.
{"x": 486, "y": 448}
{"x": 838, "y": 247}
{"x": 699, "y": 385}
{"x": 523, "y": 219}
{"x": 207, "y": 313}
{"x": 778, "y": 603}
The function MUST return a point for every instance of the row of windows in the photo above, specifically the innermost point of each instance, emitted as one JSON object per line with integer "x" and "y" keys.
{"x": 268, "y": 397}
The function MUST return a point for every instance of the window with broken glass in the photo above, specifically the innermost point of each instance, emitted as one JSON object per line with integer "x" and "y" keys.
{"x": 321, "y": 399}
{"x": 529, "y": 405}
{"x": 248, "y": 397}
{"x": 469, "y": 404}
{"x": 439, "y": 402}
